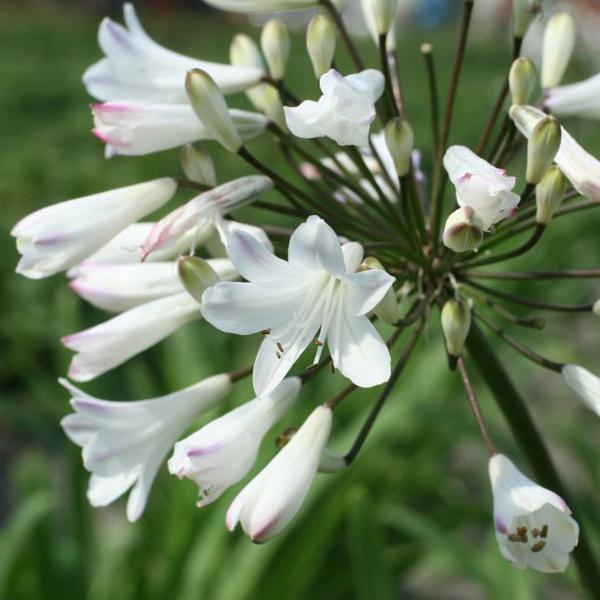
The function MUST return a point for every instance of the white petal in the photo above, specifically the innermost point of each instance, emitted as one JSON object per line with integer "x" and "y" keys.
{"x": 580, "y": 99}
{"x": 585, "y": 384}
{"x": 369, "y": 82}
{"x": 103, "y": 491}
{"x": 365, "y": 290}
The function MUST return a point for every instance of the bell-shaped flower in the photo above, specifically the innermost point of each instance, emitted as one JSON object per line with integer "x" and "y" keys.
{"x": 111, "y": 343}
{"x": 251, "y": 6}
{"x": 344, "y": 112}
{"x": 316, "y": 296}
{"x": 135, "y": 128}
{"x": 222, "y": 452}
{"x": 135, "y": 67}
{"x": 480, "y": 185}
{"x": 581, "y": 99}
{"x": 585, "y": 384}
{"x": 124, "y": 443}
{"x": 578, "y": 165}
{"x": 56, "y": 237}
{"x": 120, "y": 287}
{"x": 205, "y": 210}
{"x": 267, "y": 505}
{"x": 534, "y": 527}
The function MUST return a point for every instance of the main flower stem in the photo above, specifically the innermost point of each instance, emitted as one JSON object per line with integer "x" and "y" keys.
{"x": 427, "y": 52}
{"x": 527, "y": 435}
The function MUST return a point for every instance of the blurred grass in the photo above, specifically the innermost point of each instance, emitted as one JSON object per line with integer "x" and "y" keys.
{"x": 411, "y": 519}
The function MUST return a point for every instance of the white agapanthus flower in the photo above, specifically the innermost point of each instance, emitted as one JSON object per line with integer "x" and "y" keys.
{"x": 534, "y": 527}
{"x": 59, "y": 236}
{"x": 344, "y": 112}
{"x": 315, "y": 297}
{"x": 124, "y": 443}
{"x": 136, "y": 128}
{"x": 585, "y": 384}
{"x": 115, "y": 341}
{"x": 480, "y": 185}
{"x": 581, "y": 99}
{"x": 222, "y": 452}
{"x": 135, "y": 67}
{"x": 267, "y": 505}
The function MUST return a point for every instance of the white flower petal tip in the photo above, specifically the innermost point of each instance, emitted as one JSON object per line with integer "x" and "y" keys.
{"x": 222, "y": 452}
{"x": 585, "y": 384}
{"x": 124, "y": 443}
{"x": 480, "y": 185}
{"x": 57, "y": 237}
{"x": 268, "y": 504}
{"x": 578, "y": 166}
{"x": 581, "y": 99}
{"x": 137, "y": 128}
{"x": 315, "y": 297}
{"x": 251, "y": 6}
{"x": 137, "y": 68}
{"x": 533, "y": 525}
{"x": 344, "y": 112}
{"x": 115, "y": 341}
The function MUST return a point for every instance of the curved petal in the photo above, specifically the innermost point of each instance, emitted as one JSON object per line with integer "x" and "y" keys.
{"x": 304, "y": 120}
{"x": 353, "y": 255}
{"x": 369, "y": 82}
{"x": 365, "y": 290}
{"x": 103, "y": 491}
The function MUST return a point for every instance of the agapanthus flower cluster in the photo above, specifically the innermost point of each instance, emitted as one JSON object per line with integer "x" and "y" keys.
{"x": 373, "y": 246}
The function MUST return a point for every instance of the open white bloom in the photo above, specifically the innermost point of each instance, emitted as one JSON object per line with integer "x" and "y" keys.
{"x": 56, "y": 237}
{"x": 581, "y": 99}
{"x": 480, "y": 185}
{"x": 135, "y": 128}
{"x": 316, "y": 296}
{"x": 135, "y": 67}
{"x": 222, "y": 452}
{"x": 585, "y": 384}
{"x": 119, "y": 287}
{"x": 124, "y": 443}
{"x": 205, "y": 211}
{"x": 578, "y": 166}
{"x": 111, "y": 343}
{"x": 344, "y": 112}
{"x": 534, "y": 527}
{"x": 267, "y": 505}
{"x": 250, "y": 6}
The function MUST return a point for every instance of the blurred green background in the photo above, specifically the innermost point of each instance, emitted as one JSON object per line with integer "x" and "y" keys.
{"x": 410, "y": 519}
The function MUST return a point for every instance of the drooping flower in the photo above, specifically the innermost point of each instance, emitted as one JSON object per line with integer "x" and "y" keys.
{"x": 56, "y": 237}
{"x": 480, "y": 185}
{"x": 120, "y": 287}
{"x": 344, "y": 112}
{"x": 581, "y": 99}
{"x": 585, "y": 384}
{"x": 222, "y": 452}
{"x": 316, "y": 296}
{"x": 111, "y": 343}
{"x": 135, "y": 67}
{"x": 534, "y": 527}
{"x": 579, "y": 166}
{"x": 267, "y": 505}
{"x": 124, "y": 443}
{"x": 136, "y": 128}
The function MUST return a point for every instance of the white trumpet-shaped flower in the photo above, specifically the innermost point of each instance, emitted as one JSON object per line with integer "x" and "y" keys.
{"x": 581, "y": 99}
{"x": 480, "y": 185}
{"x": 135, "y": 128}
{"x": 222, "y": 452}
{"x": 534, "y": 527}
{"x": 57, "y": 237}
{"x": 267, "y": 505}
{"x": 124, "y": 443}
{"x": 111, "y": 343}
{"x": 316, "y": 296}
{"x": 135, "y": 67}
{"x": 344, "y": 112}
{"x": 120, "y": 287}
{"x": 578, "y": 165}
{"x": 585, "y": 384}
{"x": 251, "y": 6}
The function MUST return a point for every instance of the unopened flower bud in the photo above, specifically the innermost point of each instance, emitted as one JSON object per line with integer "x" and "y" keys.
{"x": 399, "y": 139}
{"x": 559, "y": 42}
{"x": 383, "y": 13}
{"x": 387, "y": 309}
{"x": 596, "y": 308}
{"x": 549, "y": 193}
{"x": 463, "y": 230}
{"x": 524, "y": 12}
{"x": 456, "y": 322}
{"x": 320, "y": 43}
{"x": 244, "y": 52}
{"x": 522, "y": 79}
{"x": 197, "y": 165}
{"x": 275, "y": 44}
{"x": 209, "y": 105}
{"x": 196, "y": 275}
{"x": 542, "y": 147}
